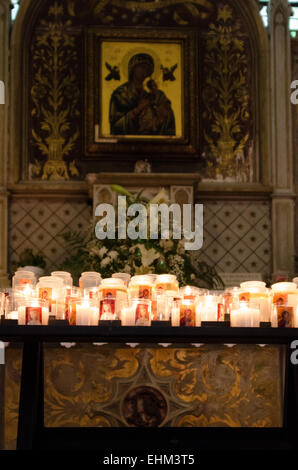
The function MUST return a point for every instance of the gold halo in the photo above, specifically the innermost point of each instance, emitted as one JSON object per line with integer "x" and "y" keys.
{"x": 141, "y": 50}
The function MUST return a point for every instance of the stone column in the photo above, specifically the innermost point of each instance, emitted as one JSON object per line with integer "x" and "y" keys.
{"x": 4, "y": 51}
{"x": 283, "y": 206}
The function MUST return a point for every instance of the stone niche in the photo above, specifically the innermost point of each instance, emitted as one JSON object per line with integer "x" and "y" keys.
{"x": 179, "y": 187}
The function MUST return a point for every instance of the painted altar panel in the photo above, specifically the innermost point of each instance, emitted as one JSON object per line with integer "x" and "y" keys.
{"x": 120, "y": 386}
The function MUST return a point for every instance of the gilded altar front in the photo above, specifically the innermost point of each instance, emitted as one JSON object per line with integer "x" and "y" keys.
{"x": 150, "y": 386}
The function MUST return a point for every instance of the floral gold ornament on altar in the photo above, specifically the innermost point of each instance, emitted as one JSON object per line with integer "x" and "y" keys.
{"x": 55, "y": 95}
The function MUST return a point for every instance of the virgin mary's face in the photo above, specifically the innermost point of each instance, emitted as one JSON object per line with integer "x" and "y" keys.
{"x": 141, "y": 71}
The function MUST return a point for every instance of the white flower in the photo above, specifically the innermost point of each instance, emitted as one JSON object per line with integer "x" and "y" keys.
{"x": 161, "y": 197}
{"x": 104, "y": 262}
{"x": 180, "y": 247}
{"x": 148, "y": 256}
{"x": 102, "y": 251}
{"x": 113, "y": 254}
{"x": 95, "y": 252}
{"x": 167, "y": 245}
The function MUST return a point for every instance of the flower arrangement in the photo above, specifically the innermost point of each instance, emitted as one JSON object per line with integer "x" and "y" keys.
{"x": 139, "y": 256}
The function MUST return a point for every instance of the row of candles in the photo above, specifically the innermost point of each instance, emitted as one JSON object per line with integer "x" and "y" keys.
{"x": 142, "y": 299}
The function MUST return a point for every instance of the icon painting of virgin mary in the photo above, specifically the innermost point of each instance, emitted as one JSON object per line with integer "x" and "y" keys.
{"x": 139, "y": 107}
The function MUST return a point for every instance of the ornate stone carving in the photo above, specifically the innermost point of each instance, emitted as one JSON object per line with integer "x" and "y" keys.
{"x": 142, "y": 166}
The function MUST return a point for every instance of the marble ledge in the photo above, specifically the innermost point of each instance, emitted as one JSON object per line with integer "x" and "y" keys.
{"x": 49, "y": 189}
{"x": 231, "y": 190}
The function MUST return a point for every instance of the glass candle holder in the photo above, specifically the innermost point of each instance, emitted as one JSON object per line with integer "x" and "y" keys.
{"x": 51, "y": 289}
{"x": 91, "y": 293}
{"x": 172, "y": 297}
{"x": 2, "y": 303}
{"x": 34, "y": 311}
{"x": 162, "y": 306}
{"x": 11, "y": 305}
{"x": 284, "y": 293}
{"x": 187, "y": 312}
{"x": 128, "y": 316}
{"x": 142, "y": 311}
{"x": 256, "y": 291}
{"x": 175, "y": 312}
{"x": 190, "y": 292}
{"x": 210, "y": 308}
{"x": 283, "y": 316}
{"x": 166, "y": 282}
{"x": 89, "y": 279}
{"x": 71, "y": 305}
{"x": 141, "y": 287}
{"x": 87, "y": 313}
{"x": 23, "y": 278}
{"x": 67, "y": 279}
{"x": 245, "y": 314}
{"x": 107, "y": 309}
{"x": 113, "y": 296}
{"x": 230, "y": 296}
{"x": 123, "y": 276}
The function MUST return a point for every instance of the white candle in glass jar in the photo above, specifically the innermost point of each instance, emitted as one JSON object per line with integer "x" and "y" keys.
{"x": 175, "y": 317}
{"x": 128, "y": 316}
{"x": 256, "y": 292}
{"x": 12, "y": 315}
{"x": 245, "y": 316}
{"x": 86, "y": 314}
{"x": 209, "y": 308}
{"x": 21, "y": 314}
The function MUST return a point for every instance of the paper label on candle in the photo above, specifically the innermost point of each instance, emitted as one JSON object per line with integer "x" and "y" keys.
{"x": 244, "y": 297}
{"x": 23, "y": 282}
{"x": 118, "y": 295}
{"x": 108, "y": 293}
{"x": 280, "y": 298}
{"x": 33, "y": 316}
{"x": 220, "y": 312}
{"x": 107, "y": 310}
{"x": 141, "y": 291}
{"x": 71, "y": 313}
{"x": 45, "y": 293}
{"x": 154, "y": 310}
{"x": 187, "y": 315}
{"x": 145, "y": 292}
{"x": 285, "y": 317}
{"x": 167, "y": 286}
{"x": 142, "y": 315}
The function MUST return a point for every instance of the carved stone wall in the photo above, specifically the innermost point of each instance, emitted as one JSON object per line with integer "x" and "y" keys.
{"x": 37, "y": 224}
{"x": 237, "y": 235}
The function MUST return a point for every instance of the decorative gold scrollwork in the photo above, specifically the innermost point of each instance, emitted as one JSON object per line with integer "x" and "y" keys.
{"x": 55, "y": 94}
{"x": 226, "y": 97}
